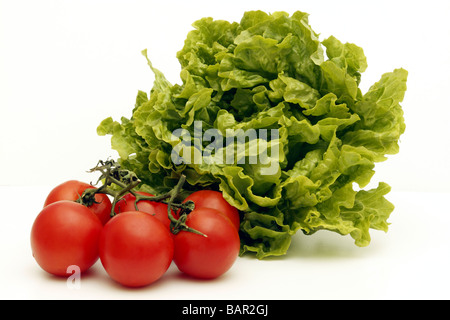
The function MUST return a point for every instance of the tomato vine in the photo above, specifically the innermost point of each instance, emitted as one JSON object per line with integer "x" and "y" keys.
{"x": 116, "y": 182}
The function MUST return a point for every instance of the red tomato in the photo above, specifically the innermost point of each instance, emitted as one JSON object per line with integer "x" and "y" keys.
{"x": 136, "y": 249}
{"x": 72, "y": 190}
{"x": 65, "y": 233}
{"x": 211, "y": 256}
{"x": 215, "y": 200}
{"x": 157, "y": 209}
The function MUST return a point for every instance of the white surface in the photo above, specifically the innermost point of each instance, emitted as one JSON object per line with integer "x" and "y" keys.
{"x": 411, "y": 261}
{"x": 67, "y": 65}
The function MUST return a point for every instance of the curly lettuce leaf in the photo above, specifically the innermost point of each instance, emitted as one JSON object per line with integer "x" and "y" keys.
{"x": 270, "y": 72}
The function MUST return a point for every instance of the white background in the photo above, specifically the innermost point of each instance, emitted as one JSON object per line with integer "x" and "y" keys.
{"x": 67, "y": 65}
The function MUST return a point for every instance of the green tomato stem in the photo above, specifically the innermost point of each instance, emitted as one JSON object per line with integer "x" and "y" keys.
{"x": 125, "y": 181}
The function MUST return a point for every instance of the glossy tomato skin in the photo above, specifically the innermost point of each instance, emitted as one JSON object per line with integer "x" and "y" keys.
{"x": 136, "y": 249}
{"x": 157, "y": 209}
{"x": 72, "y": 190}
{"x": 215, "y": 200}
{"x": 206, "y": 257}
{"x": 65, "y": 233}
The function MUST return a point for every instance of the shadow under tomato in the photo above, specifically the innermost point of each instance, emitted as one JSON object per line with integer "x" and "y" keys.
{"x": 165, "y": 278}
{"x": 181, "y": 276}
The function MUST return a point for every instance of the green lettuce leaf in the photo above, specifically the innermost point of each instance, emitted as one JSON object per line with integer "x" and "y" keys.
{"x": 269, "y": 72}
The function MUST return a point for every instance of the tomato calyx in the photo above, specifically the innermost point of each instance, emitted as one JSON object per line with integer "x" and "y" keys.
{"x": 87, "y": 199}
{"x": 177, "y": 225}
{"x": 116, "y": 182}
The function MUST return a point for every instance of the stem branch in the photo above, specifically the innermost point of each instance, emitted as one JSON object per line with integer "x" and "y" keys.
{"x": 125, "y": 181}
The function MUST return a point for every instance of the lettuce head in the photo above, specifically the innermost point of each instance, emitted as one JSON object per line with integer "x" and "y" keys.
{"x": 317, "y": 140}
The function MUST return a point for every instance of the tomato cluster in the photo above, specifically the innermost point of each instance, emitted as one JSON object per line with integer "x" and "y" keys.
{"x": 134, "y": 240}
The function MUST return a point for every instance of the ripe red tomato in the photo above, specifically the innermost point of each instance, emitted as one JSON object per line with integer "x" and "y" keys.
{"x": 211, "y": 256}
{"x": 157, "y": 209}
{"x": 65, "y": 233}
{"x": 215, "y": 200}
{"x": 136, "y": 249}
{"x": 72, "y": 190}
